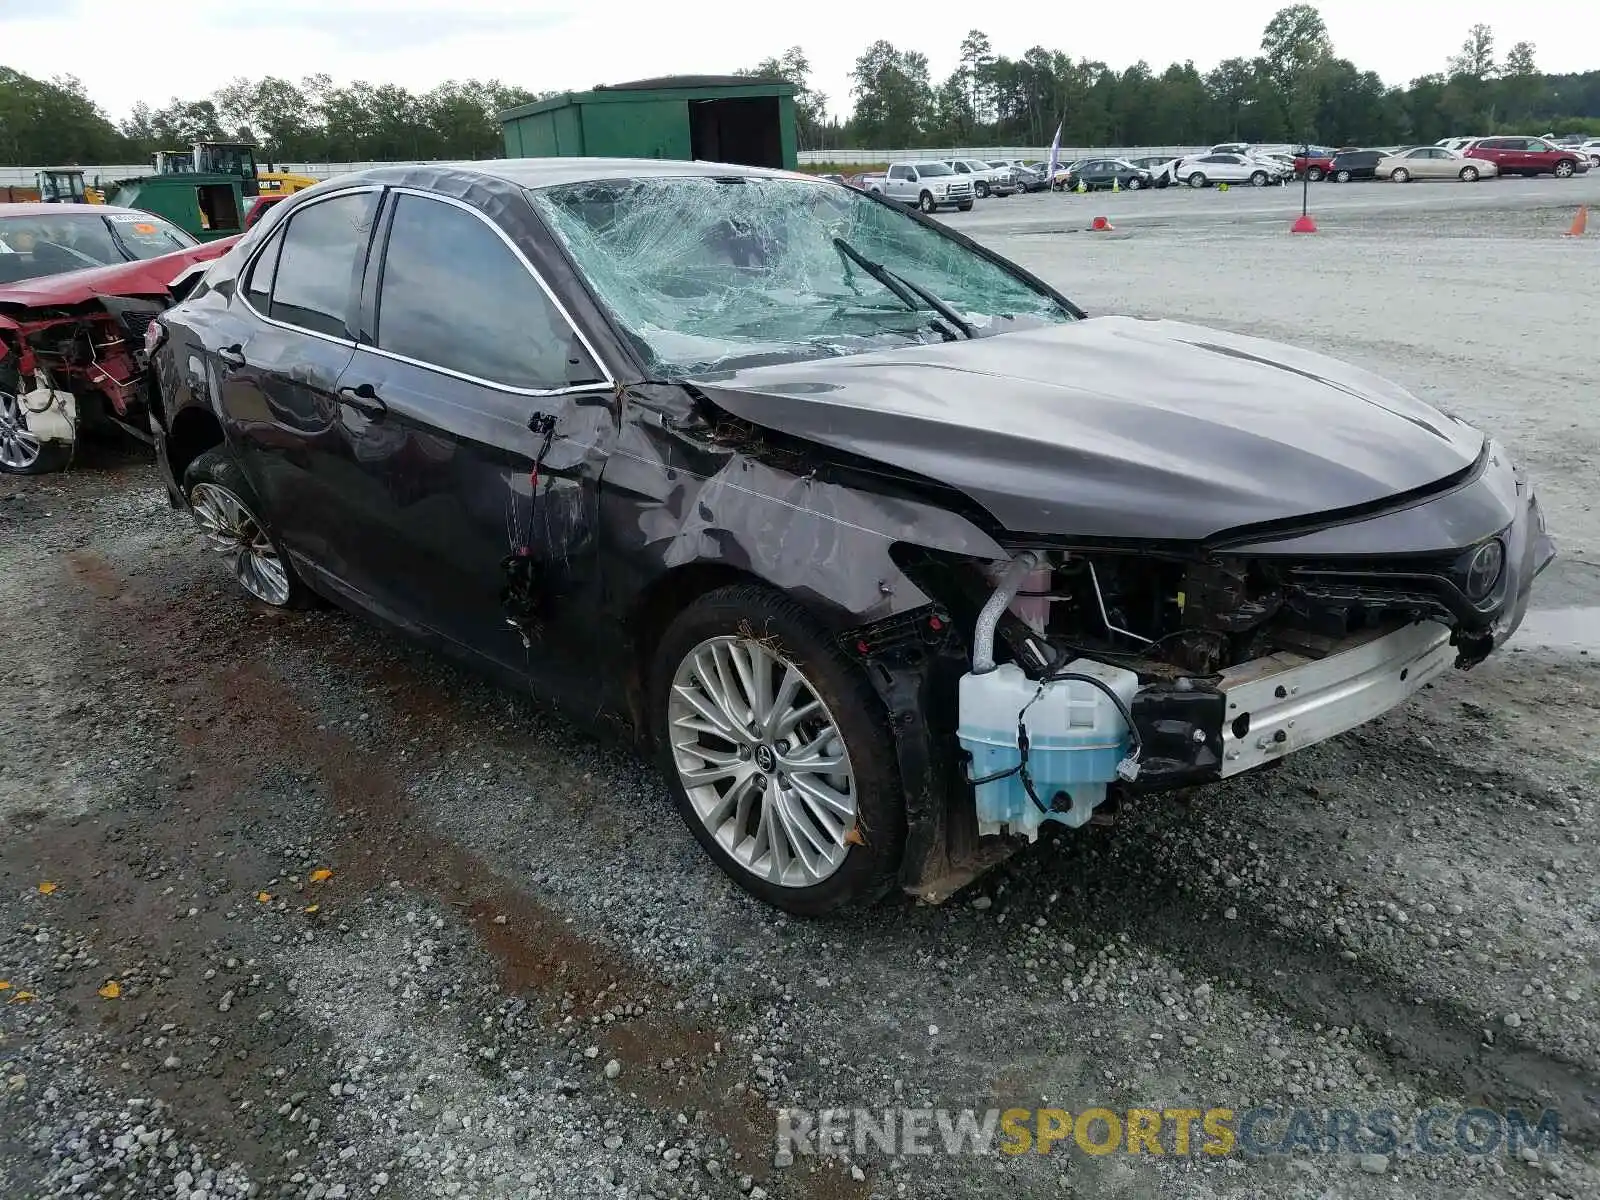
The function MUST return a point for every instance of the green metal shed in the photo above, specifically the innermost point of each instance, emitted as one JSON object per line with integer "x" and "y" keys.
{"x": 714, "y": 118}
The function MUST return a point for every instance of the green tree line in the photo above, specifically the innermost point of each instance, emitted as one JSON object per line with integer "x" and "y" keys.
{"x": 1294, "y": 87}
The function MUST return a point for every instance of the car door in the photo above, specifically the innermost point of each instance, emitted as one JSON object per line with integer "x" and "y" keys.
{"x": 279, "y": 349}
{"x": 1423, "y": 163}
{"x": 1506, "y": 153}
{"x": 1539, "y": 155}
{"x": 476, "y": 419}
{"x": 902, "y": 183}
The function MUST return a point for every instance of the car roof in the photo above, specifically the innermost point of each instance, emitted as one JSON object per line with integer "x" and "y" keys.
{"x": 555, "y": 172}
{"x": 39, "y": 209}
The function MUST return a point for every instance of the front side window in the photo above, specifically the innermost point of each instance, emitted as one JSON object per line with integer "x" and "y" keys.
{"x": 927, "y": 170}
{"x": 454, "y": 295}
{"x": 324, "y": 247}
{"x": 708, "y": 274}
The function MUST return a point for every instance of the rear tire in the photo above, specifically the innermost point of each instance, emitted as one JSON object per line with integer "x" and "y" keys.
{"x": 926, "y": 204}
{"x": 225, "y": 508}
{"x": 1342, "y": 177}
{"x": 729, "y": 630}
{"x": 1316, "y": 174}
{"x": 967, "y": 207}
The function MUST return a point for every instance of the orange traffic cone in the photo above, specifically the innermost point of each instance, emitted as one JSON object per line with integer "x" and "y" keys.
{"x": 1580, "y": 223}
{"x": 1101, "y": 225}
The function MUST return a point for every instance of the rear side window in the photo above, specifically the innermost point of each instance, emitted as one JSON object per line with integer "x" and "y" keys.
{"x": 323, "y": 248}
{"x": 454, "y": 295}
{"x": 258, "y": 288}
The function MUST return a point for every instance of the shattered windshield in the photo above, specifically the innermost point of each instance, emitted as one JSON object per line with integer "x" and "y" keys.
{"x": 707, "y": 274}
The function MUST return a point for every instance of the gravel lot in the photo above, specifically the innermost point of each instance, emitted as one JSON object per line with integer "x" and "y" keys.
{"x": 293, "y": 909}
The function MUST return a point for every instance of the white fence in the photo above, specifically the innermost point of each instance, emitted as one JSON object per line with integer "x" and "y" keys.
{"x": 992, "y": 153}
{"x": 106, "y": 175}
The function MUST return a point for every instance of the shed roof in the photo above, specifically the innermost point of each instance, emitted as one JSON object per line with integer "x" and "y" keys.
{"x": 674, "y": 86}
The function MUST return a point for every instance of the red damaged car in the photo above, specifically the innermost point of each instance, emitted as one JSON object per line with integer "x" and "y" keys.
{"x": 78, "y": 285}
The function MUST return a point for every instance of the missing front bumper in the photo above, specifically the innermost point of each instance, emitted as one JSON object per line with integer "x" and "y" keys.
{"x": 1286, "y": 702}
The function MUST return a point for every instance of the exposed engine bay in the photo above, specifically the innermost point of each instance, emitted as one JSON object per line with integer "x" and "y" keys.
{"x": 1170, "y": 618}
{"x": 54, "y": 361}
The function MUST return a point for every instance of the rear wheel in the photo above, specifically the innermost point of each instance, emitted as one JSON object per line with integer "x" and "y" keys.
{"x": 967, "y": 207}
{"x": 777, "y": 752}
{"x": 21, "y": 451}
{"x": 225, "y": 508}
{"x": 1342, "y": 177}
{"x": 1315, "y": 174}
{"x": 1469, "y": 174}
{"x": 1400, "y": 175}
{"x": 925, "y": 202}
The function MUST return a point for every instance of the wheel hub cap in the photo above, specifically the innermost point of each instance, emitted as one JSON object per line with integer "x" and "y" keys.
{"x": 762, "y": 761}
{"x": 232, "y": 531}
{"x": 19, "y": 448}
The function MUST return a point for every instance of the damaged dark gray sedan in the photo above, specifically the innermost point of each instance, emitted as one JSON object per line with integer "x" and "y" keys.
{"x": 887, "y": 550}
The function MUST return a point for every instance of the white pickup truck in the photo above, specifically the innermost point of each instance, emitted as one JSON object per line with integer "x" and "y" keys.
{"x": 929, "y": 185}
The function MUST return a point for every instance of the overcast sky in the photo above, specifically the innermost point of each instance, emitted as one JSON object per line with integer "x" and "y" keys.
{"x": 130, "y": 52}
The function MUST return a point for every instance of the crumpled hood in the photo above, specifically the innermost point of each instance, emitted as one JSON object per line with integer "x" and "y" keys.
{"x": 147, "y": 277}
{"x": 1117, "y": 427}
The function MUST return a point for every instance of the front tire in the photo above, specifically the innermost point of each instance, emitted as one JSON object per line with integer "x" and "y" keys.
{"x": 1197, "y": 180}
{"x": 225, "y": 508}
{"x": 981, "y": 190}
{"x": 926, "y": 204}
{"x": 967, "y": 207}
{"x": 22, "y": 453}
{"x": 1342, "y": 177}
{"x": 1565, "y": 169}
{"x": 1135, "y": 184}
{"x": 1259, "y": 179}
{"x": 1400, "y": 175}
{"x": 1469, "y": 175}
{"x": 777, "y": 752}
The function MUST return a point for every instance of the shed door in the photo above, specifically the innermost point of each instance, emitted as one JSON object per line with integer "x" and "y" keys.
{"x": 743, "y": 130}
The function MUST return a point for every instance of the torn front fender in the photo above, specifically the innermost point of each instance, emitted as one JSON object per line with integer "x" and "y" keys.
{"x": 682, "y": 492}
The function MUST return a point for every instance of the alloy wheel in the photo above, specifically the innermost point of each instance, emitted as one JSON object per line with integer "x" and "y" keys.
{"x": 19, "y": 448}
{"x": 762, "y": 761}
{"x": 233, "y": 531}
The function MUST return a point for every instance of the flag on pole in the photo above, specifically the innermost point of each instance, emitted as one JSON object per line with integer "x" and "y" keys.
{"x": 1055, "y": 154}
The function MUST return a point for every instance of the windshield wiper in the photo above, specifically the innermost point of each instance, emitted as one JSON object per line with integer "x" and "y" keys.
{"x": 909, "y": 293}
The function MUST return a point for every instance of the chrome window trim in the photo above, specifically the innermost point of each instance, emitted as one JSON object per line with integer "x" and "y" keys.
{"x": 608, "y": 383}
{"x": 242, "y": 284}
